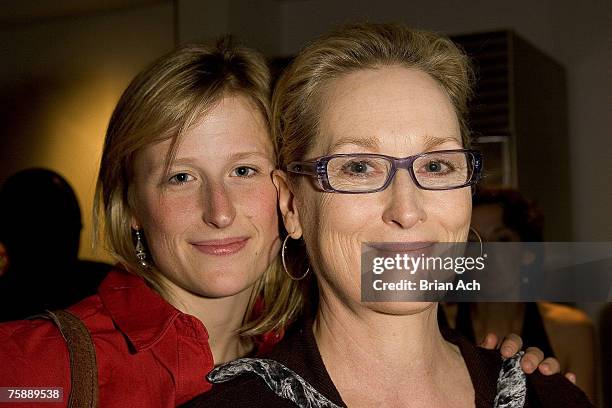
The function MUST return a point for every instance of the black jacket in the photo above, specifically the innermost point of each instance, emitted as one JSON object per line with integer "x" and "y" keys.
{"x": 298, "y": 351}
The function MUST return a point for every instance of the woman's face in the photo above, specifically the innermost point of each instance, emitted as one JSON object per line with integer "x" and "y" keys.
{"x": 211, "y": 223}
{"x": 393, "y": 111}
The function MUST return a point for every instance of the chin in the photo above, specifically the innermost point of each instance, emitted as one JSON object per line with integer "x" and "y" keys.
{"x": 400, "y": 308}
{"x": 223, "y": 284}
{"x": 222, "y": 291}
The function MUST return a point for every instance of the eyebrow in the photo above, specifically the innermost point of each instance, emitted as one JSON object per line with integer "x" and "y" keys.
{"x": 248, "y": 155}
{"x": 368, "y": 143}
{"x": 233, "y": 156}
{"x": 372, "y": 143}
{"x": 433, "y": 141}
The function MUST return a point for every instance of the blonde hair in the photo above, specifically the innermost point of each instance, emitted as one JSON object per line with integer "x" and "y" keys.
{"x": 297, "y": 97}
{"x": 161, "y": 103}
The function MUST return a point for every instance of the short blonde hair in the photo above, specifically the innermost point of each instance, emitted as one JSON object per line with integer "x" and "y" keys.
{"x": 161, "y": 103}
{"x": 296, "y": 100}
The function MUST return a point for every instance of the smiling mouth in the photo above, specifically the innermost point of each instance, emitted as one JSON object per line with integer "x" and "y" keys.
{"x": 391, "y": 249}
{"x": 221, "y": 247}
{"x": 400, "y": 247}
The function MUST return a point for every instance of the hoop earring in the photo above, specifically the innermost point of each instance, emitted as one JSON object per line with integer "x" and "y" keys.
{"x": 285, "y": 265}
{"x": 141, "y": 254}
{"x": 475, "y": 231}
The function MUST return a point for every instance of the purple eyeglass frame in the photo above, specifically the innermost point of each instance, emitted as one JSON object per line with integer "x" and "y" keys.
{"x": 317, "y": 168}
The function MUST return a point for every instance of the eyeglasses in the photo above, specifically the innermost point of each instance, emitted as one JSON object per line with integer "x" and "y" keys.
{"x": 368, "y": 173}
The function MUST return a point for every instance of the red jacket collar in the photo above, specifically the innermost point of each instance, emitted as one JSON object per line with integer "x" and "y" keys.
{"x": 137, "y": 310}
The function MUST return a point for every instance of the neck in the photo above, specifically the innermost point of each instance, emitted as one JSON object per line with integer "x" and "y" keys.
{"x": 222, "y": 318}
{"x": 358, "y": 340}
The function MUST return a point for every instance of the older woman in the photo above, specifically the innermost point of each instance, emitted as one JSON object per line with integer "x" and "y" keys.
{"x": 371, "y": 131}
{"x": 190, "y": 214}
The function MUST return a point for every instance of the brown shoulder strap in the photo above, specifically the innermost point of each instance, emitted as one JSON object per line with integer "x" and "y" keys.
{"x": 83, "y": 368}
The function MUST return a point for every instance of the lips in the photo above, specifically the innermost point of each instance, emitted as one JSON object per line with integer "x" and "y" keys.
{"x": 391, "y": 249}
{"x": 221, "y": 247}
{"x": 399, "y": 246}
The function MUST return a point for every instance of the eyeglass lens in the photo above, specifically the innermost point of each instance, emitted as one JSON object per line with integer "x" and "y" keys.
{"x": 435, "y": 170}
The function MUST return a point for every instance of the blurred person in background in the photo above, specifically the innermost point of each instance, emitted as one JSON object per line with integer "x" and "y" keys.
{"x": 505, "y": 215}
{"x": 40, "y": 232}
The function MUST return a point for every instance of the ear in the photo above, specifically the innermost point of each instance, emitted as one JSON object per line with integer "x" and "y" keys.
{"x": 286, "y": 203}
{"x": 134, "y": 223}
{"x": 129, "y": 209}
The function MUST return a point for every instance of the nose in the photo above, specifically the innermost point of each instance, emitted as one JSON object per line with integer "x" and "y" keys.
{"x": 219, "y": 210}
{"x": 404, "y": 207}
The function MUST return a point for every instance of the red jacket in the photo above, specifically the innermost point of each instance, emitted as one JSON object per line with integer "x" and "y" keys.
{"x": 148, "y": 353}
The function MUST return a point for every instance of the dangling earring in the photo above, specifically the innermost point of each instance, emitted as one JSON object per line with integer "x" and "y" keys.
{"x": 285, "y": 265}
{"x": 475, "y": 231}
{"x": 141, "y": 254}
